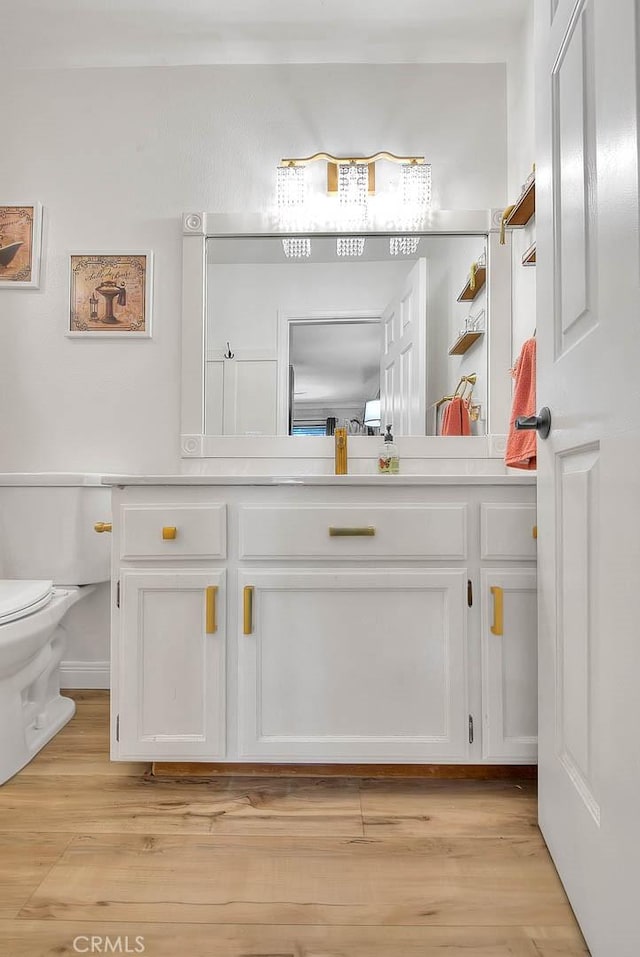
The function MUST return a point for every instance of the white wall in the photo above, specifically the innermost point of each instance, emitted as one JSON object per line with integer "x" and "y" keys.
{"x": 521, "y": 139}
{"x": 246, "y": 298}
{"x": 116, "y": 155}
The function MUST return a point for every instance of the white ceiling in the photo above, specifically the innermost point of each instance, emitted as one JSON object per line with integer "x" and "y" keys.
{"x": 78, "y": 33}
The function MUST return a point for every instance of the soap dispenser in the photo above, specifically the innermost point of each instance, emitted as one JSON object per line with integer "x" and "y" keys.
{"x": 388, "y": 459}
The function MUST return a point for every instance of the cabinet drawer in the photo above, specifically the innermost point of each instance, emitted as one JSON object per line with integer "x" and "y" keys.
{"x": 507, "y": 532}
{"x": 437, "y": 532}
{"x": 200, "y": 531}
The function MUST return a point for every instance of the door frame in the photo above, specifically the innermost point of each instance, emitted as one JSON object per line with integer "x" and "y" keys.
{"x": 285, "y": 321}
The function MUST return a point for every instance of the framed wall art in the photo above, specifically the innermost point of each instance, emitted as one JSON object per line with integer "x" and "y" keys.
{"x": 20, "y": 242}
{"x": 110, "y": 294}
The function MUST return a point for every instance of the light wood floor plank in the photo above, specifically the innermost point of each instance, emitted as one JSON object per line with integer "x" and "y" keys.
{"x": 449, "y": 808}
{"x": 25, "y": 860}
{"x": 226, "y": 806}
{"x": 286, "y": 880}
{"x": 52, "y": 938}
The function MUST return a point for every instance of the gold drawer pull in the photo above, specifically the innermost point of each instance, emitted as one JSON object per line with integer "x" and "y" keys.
{"x": 169, "y": 532}
{"x": 248, "y": 609}
{"x": 497, "y": 627}
{"x": 103, "y": 527}
{"x": 211, "y": 595}
{"x": 367, "y": 531}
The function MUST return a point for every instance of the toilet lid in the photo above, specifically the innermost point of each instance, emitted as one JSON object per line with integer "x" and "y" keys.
{"x": 20, "y": 598}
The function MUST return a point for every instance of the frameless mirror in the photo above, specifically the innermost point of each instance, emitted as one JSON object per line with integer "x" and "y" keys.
{"x": 298, "y": 346}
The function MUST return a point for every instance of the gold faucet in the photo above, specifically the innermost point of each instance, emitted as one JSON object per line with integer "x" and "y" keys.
{"x": 340, "y": 451}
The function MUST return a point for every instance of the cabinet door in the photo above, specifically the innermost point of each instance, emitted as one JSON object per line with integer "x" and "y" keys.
{"x": 509, "y": 665}
{"x": 171, "y": 664}
{"x": 347, "y": 665}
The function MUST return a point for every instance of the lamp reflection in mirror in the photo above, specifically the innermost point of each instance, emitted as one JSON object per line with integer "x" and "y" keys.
{"x": 350, "y": 245}
{"x": 298, "y": 247}
{"x": 403, "y": 245}
{"x": 372, "y": 414}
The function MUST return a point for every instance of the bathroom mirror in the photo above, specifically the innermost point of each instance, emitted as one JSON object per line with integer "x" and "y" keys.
{"x": 280, "y": 344}
{"x": 297, "y": 345}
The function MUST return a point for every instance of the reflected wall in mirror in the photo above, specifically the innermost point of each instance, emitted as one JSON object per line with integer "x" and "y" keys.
{"x": 300, "y": 346}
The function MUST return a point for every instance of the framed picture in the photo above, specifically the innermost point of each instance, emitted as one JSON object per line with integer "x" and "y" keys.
{"x": 20, "y": 242}
{"x": 110, "y": 295}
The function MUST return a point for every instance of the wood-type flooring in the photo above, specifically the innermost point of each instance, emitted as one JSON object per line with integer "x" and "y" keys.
{"x": 99, "y": 857}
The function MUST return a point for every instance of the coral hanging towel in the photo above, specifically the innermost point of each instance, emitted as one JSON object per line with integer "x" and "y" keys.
{"x": 456, "y": 419}
{"x": 521, "y": 446}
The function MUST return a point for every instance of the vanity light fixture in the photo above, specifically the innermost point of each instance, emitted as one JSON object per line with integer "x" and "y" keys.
{"x": 353, "y": 180}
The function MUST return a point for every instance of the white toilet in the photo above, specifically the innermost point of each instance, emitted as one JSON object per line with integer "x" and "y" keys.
{"x": 50, "y": 558}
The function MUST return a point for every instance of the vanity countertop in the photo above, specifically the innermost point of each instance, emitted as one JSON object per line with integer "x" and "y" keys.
{"x": 524, "y": 478}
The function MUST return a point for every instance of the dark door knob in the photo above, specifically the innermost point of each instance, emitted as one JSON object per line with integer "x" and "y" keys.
{"x": 541, "y": 423}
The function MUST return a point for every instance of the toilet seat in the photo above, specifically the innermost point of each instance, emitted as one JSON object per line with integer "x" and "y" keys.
{"x": 19, "y": 598}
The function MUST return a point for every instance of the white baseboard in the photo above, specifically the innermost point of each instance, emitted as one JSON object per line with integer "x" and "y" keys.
{"x": 84, "y": 674}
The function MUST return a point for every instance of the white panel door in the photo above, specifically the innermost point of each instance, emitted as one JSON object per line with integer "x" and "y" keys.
{"x": 588, "y": 272}
{"x": 403, "y": 366}
{"x": 509, "y": 665}
{"x": 172, "y": 665}
{"x": 348, "y": 666}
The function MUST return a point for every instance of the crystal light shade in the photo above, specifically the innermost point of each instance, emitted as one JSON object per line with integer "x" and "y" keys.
{"x": 291, "y": 186}
{"x": 298, "y": 247}
{"x": 350, "y": 245}
{"x": 403, "y": 245}
{"x": 415, "y": 186}
{"x": 353, "y": 186}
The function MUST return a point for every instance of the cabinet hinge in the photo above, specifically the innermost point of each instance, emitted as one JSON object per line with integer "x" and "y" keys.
{"x": 469, "y": 593}
{"x": 118, "y": 727}
{"x": 470, "y": 729}
{"x": 118, "y": 595}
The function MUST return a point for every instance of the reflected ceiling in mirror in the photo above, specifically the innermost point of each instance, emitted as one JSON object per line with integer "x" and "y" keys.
{"x": 300, "y": 345}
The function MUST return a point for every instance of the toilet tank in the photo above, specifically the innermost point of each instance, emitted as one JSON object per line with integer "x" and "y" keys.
{"x": 46, "y": 527}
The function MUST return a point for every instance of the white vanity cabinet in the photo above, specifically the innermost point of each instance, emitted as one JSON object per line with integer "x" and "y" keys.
{"x": 323, "y": 621}
{"x": 509, "y": 631}
{"x": 364, "y": 664}
{"x": 171, "y": 664}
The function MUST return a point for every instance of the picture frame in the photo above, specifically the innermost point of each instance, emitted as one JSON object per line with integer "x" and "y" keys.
{"x": 110, "y": 295}
{"x": 20, "y": 245}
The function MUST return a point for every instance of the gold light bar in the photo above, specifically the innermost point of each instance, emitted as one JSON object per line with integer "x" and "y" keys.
{"x": 330, "y": 158}
{"x": 334, "y": 161}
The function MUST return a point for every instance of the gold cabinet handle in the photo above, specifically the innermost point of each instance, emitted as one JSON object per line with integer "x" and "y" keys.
{"x": 497, "y": 627}
{"x": 248, "y": 609}
{"x": 169, "y": 532}
{"x": 535, "y": 531}
{"x": 103, "y": 527}
{"x": 211, "y": 593}
{"x": 367, "y": 530}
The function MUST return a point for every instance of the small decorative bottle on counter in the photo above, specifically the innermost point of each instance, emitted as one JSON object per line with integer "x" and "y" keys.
{"x": 388, "y": 459}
